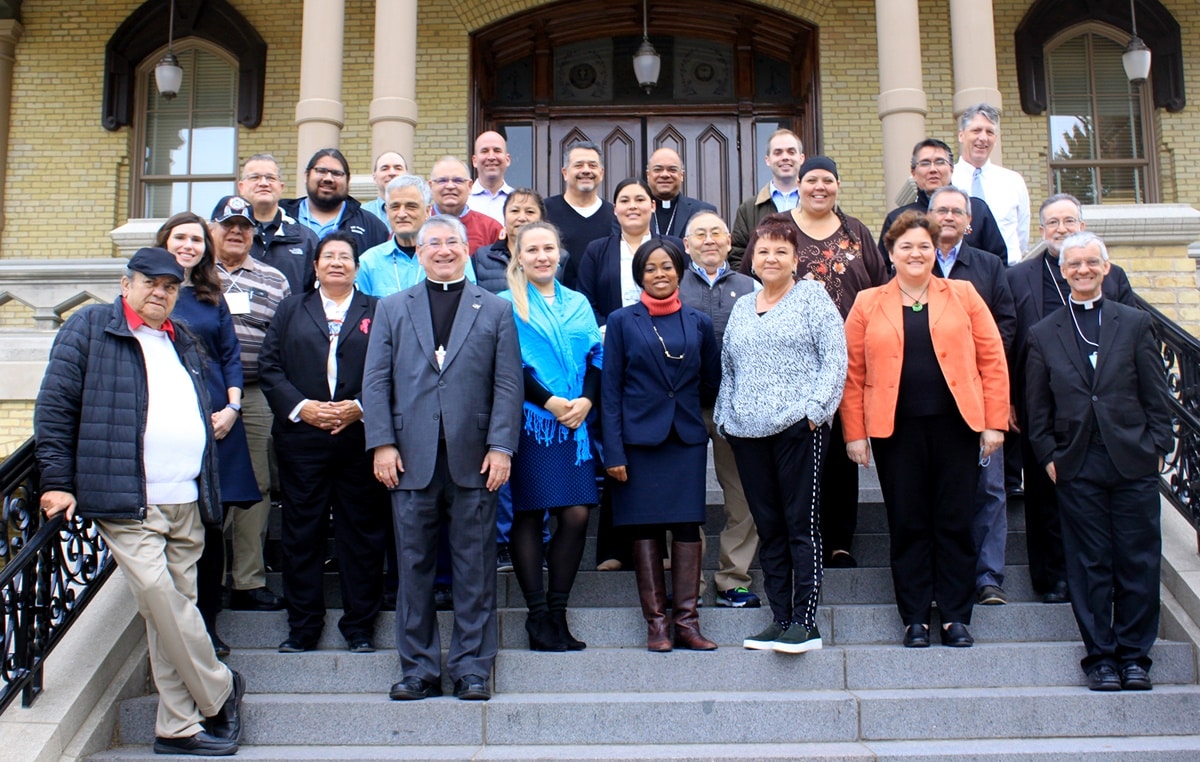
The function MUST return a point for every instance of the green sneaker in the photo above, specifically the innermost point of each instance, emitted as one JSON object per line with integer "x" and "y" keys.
{"x": 798, "y": 639}
{"x": 765, "y": 640}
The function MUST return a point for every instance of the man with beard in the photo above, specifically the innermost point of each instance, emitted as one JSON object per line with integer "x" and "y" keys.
{"x": 491, "y": 161}
{"x": 672, "y": 209}
{"x": 388, "y": 166}
{"x": 580, "y": 214}
{"x": 450, "y": 181}
{"x": 279, "y": 240}
{"x": 932, "y": 162}
{"x": 328, "y": 205}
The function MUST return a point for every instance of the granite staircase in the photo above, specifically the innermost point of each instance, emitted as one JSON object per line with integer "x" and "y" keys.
{"x": 1017, "y": 695}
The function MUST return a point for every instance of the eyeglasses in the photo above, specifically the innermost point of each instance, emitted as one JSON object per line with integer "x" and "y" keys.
{"x": 257, "y": 178}
{"x": 1092, "y": 263}
{"x": 1066, "y": 222}
{"x": 927, "y": 163}
{"x": 942, "y": 211}
{"x": 334, "y": 256}
{"x": 437, "y": 243}
{"x": 716, "y": 234}
{"x": 323, "y": 171}
{"x": 449, "y": 181}
{"x": 659, "y": 169}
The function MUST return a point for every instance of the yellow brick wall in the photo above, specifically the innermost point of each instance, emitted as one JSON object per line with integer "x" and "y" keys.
{"x": 16, "y": 425}
{"x": 1165, "y": 276}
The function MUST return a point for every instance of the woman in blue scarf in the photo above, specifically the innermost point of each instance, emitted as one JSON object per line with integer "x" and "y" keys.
{"x": 552, "y": 469}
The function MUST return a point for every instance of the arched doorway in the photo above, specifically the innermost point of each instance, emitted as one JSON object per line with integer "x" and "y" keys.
{"x": 732, "y": 73}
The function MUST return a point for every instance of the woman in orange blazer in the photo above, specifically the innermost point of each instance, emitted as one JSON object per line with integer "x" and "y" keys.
{"x": 928, "y": 384}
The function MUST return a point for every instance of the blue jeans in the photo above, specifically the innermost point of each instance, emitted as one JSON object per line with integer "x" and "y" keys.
{"x": 990, "y": 527}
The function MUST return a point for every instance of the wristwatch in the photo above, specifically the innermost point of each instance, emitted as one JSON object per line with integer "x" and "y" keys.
{"x": 235, "y": 407}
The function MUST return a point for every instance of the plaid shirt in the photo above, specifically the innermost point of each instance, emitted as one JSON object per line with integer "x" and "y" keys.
{"x": 267, "y": 287}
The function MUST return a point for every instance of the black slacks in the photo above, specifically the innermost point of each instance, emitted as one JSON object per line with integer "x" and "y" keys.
{"x": 1113, "y": 539}
{"x": 928, "y": 470}
{"x": 839, "y": 493}
{"x": 781, "y": 476}
{"x": 314, "y": 476}
{"x": 1043, "y": 528}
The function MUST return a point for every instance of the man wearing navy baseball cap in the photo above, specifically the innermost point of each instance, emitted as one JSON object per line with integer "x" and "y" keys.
{"x": 124, "y": 439}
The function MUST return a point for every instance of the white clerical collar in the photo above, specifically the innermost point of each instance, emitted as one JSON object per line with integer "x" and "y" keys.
{"x": 446, "y": 284}
{"x": 1087, "y": 304}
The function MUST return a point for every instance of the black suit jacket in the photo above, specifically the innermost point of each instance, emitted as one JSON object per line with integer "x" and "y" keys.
{"x": 599, "y": 277}
{"x": 985, "y": 233}
{"x": 1025, "y": 282}
{"x": 292, "y": 361}
{"x": 1126, "y": 399}
{"x": 685, "y": 208}
{"x": 986, "y": 273}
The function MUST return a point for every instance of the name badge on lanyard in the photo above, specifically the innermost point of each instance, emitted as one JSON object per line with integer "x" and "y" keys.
{"x": 238, "y": 302}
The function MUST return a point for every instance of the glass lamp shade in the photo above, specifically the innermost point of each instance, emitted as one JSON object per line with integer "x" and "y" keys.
{"x": 1136, "y": 60}
{"x": 168, "y": 75}
{"x": 646, "y": 65}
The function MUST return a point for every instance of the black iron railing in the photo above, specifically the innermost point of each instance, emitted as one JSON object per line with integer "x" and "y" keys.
{"x": 49, "y": 570}
{"x": 1181, "y": 361}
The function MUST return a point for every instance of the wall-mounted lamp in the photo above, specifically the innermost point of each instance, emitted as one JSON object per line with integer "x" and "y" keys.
{"x": 646, "y": 61}
{"x": 168, "y": 74}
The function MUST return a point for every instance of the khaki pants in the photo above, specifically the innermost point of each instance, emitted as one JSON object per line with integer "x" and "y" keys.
{"x": 158, "y": 557}
{"x": 250, "y": 525}
{"x": 739, "y": 539}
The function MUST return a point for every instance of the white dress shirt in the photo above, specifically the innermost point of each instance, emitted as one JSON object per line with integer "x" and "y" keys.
{"x": 1008, "y": 198}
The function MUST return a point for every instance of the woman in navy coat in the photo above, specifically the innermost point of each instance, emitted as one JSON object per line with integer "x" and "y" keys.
{"x": 661, "y": 364}
{"x": 201, "y": 308}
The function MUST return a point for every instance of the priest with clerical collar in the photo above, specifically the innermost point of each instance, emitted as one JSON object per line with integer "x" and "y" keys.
{"x": 673, "y": 210}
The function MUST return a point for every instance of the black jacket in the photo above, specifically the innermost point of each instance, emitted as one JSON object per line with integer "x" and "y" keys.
{"x": 986, "y": 274}
{"x": 91, "y": 415}
{"x": 985, "y": 233}
{"x": 292, "y": 251}
{"x": 1126, "y": 401}
{"x": 366, "y": 228}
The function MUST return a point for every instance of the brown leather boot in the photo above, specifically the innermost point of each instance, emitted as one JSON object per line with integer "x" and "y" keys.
{"x": 685, "y": 574}
{"x": 652, "y": 589}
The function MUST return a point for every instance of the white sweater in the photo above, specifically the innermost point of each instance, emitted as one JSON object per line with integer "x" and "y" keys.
{"x": 782, "y": 367}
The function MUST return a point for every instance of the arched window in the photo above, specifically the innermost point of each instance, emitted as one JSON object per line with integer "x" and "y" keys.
{"x": 1101, "y": 139}
{"x": 186, "y": 147}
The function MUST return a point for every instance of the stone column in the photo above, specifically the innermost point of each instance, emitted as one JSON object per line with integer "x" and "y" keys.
{"x": 10, "y": 32}
{"x": 320, "y": 114}
{"x": 393, "y": 114}
{"x": 973, "y": 43}
{"x": 902, "y": 104}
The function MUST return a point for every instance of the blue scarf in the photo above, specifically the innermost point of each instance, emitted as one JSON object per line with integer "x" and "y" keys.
{"x": 556, "y": 345}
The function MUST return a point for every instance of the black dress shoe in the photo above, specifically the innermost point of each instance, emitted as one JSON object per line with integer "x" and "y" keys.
{"x": 1057, "y": 594}
{"x": 916, "y": 636}
{"x": 1103, "y": 678}
{"x": 219, "y": 646}
{"x": 257, "y": 599}
{"x": 201, "y": 745}
{"x": 1134, "y": 677}
{"x": 841, "y": 559}
{"x": 360, "y": 644}
{"x": 472, "y": 688}
{"x": 227, "y": 722}
{"x": 296, "y": 645}
{"x": 414, "y": 689}
{"x": 956, "y": 636}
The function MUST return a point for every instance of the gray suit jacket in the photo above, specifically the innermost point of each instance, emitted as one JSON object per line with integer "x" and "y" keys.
{"x": 476, "y": 396}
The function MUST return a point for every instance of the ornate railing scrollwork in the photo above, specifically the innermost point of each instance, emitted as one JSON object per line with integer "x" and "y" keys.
{"x": 49, "y": 570}
{"x": 1180, "y": 353}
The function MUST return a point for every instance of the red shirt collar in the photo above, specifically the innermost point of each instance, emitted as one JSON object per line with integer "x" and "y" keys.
{"x": 136, "y": 322}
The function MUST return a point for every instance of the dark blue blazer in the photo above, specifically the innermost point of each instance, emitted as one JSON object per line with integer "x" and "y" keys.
{"x": 642, "y": 397}
{"x": 599, "y": 276}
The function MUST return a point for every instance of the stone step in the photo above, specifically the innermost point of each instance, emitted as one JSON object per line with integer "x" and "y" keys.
{"x": 729, "y": 668}
{"x": 724, "y": 717}
{"x": 624, "y": 627}
{"x": 1102, "y": 749}
{"x": 619, "y": 588}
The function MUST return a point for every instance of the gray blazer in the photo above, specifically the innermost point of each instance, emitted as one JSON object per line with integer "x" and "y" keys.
{"x": 476, "y": 396}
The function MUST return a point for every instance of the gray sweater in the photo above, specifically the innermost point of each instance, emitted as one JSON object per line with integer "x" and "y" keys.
{"x": 782, "y": 367}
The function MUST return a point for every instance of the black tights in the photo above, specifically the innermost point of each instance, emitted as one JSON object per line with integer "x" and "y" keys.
{"x": 564, "y": 553}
